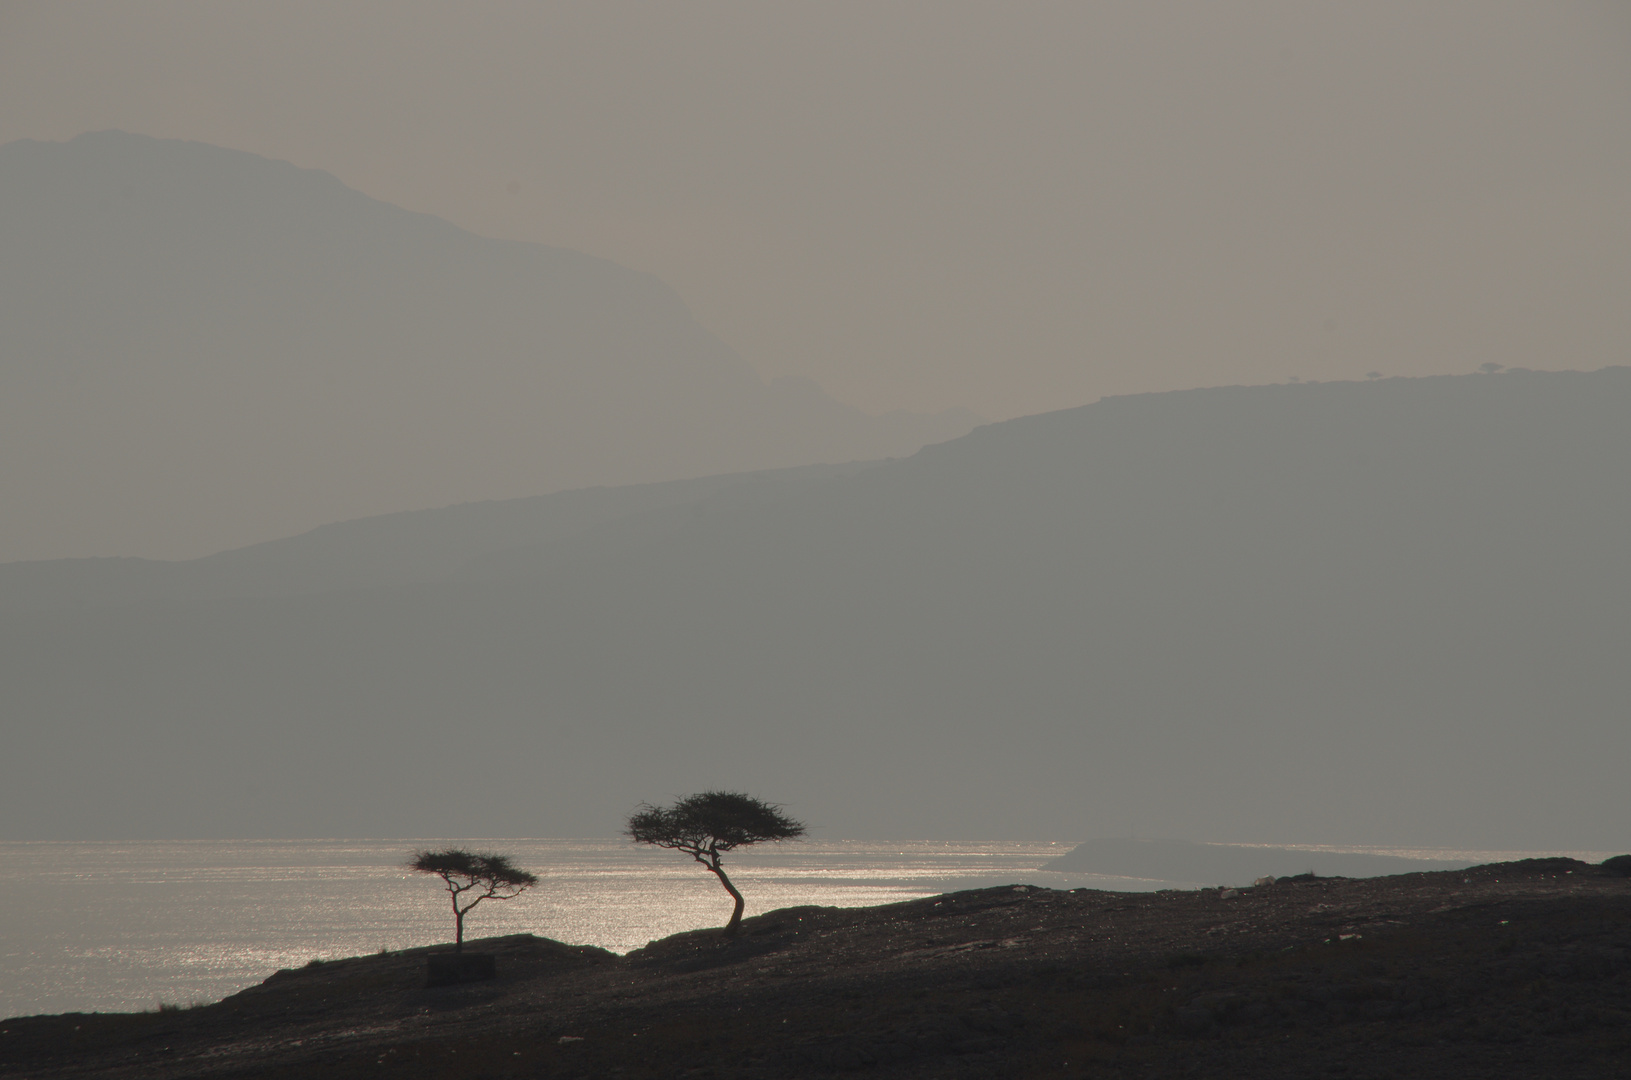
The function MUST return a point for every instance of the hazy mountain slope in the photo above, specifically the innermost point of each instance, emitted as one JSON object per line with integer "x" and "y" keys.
{"x": 405, "y": 548}
{"x": 201, "y": 348}
{"x": 1393, "y": 611}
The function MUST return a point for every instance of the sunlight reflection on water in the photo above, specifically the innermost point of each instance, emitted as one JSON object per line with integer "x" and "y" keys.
{"x": 128, "y": 925}
{"x": 121, "y": 926}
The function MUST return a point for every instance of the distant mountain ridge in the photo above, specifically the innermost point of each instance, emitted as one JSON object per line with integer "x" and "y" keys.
{"x": 1394, "y": 611}
{"x": 202, "y": 348}
{"x": 406, "y": 548}
{"x": 1228, "y": 864}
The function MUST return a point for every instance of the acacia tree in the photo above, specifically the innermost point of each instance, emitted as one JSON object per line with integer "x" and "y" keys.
{"x": 471, "y": 877}
{"x": 706, "y": 826}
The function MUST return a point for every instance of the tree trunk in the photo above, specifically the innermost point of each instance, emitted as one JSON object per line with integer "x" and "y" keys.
{"x": 458, "y": 929}
{"x": 736, "y": 916}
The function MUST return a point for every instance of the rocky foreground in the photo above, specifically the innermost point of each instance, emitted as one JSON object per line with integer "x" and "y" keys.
{"x": 1514, "y": 969}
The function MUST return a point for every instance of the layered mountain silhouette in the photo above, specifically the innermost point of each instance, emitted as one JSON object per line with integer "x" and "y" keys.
{"x": 201, "y": 348}
{"x": 1229, "y": 864}
{"x": 1393, "y": 612}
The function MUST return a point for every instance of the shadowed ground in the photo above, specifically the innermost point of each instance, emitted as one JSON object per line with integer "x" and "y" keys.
{"x": 1502, "y": 969}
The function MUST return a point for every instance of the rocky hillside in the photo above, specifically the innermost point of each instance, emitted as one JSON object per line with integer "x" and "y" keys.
{"x": 1518, "y": 969}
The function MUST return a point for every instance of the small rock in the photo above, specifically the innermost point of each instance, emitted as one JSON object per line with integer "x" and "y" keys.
{"x": 1193, "y": 1020}
{"x": 1228, "y": 894}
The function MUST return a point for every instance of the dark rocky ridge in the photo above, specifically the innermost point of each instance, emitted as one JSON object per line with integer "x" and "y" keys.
{"x": 1501, "y": 970}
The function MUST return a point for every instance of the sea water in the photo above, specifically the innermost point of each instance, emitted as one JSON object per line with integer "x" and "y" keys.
{"x": 125, "y": 926}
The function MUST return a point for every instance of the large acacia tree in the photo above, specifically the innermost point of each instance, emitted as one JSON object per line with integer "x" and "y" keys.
{"x": 471, "y": 877}
{"x": 706, "y": 826}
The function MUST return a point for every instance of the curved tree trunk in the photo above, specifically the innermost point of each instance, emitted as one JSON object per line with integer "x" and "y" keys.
{"x": 736, "y": 916}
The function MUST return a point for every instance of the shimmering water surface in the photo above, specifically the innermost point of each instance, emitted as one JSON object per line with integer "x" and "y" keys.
{"x": 111, "y": 926}
{"x": 125, "y": 926}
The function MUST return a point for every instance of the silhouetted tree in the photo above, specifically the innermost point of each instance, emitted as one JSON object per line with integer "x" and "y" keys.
{"x": 706, "y": 826}
{"x": 483, "y": 875}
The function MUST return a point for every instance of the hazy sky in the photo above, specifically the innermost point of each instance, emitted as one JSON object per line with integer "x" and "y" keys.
{"x": 1008, "y": 207}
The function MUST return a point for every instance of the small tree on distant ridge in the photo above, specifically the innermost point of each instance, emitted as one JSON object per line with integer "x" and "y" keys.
{"x": 706, "y": 826}
{"x": 473, "y": 876}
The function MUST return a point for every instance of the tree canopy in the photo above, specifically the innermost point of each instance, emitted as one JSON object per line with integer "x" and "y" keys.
{"x": 707, "y": 825}
{"x": 471, "y": 877}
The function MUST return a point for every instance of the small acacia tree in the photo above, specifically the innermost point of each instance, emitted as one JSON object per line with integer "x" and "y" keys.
{"x": 472, "y": 877}
{"x": 706, "y": 826}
